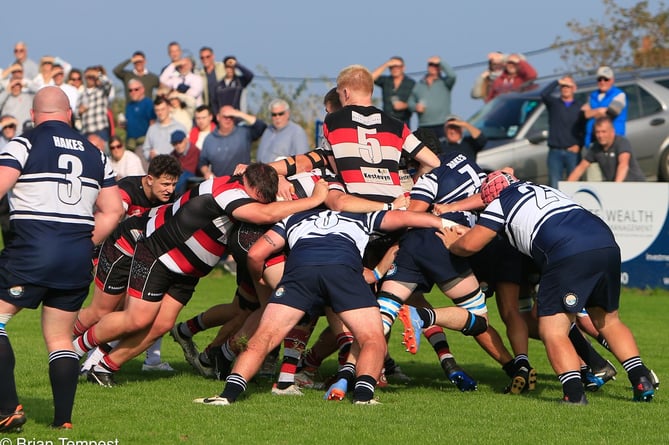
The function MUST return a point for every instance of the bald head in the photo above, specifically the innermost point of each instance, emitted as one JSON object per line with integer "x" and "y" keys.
{"x": 51, "y": 104}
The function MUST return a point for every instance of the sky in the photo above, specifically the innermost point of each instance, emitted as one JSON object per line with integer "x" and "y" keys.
{"x": 304, "y": 39}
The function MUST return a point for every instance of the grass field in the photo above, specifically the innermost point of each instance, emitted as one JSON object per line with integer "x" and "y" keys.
{"x": 152, "y": 408}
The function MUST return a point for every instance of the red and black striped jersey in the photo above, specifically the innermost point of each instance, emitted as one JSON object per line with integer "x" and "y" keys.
{"x": 366, "y": 144}
{"x": 134, "y": 198}
{"x": 190, "y": 235}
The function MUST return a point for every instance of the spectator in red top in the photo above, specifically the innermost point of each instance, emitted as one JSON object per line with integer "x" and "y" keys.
{"x": 188, "y": 155}
{"x": 204, "y": 124}
{"x": 517, "y": 71}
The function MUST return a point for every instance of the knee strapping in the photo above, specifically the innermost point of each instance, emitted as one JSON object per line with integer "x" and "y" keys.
{"x": 474, "y": 302}
{"x": 475, "y": 325}
{"x": 4, "y": 319}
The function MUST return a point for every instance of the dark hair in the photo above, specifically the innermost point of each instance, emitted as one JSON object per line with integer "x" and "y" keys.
{"x": 139, "y": 53}
{"x": 161, "y": 99}
{"x": 264, "y": 179}
{"x": 164, "y": 165}
{"x": 229, "y": 58}
{"x": 429, "y": 138}
{"x": 203, "y": 108}
{"x": 172, "y": 43}
{"x": 116, "y": 139}
{"x": 332, "y": 98}
{"x": 206, "y": 48}
{"x": 74, "y": 71}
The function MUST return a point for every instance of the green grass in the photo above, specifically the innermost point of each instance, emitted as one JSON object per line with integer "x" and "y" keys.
{"x": 152, "y": 408}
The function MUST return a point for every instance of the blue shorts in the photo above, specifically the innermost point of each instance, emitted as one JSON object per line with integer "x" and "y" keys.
{"x": 19, "y": 293}
{"x": 585, "y": 280}
{"x": 423, "y": 260}
{"x": 498, "y": 262}
{"x": 310, "y": 288}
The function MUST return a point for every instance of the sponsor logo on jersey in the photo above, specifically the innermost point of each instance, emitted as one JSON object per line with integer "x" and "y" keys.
{"x": 16, "y": 291}
{"x": 570, "y": 300}
{"x": 372, "y": 119}
{"x": 279, "y": 292}
{"x": 376, "y": 175}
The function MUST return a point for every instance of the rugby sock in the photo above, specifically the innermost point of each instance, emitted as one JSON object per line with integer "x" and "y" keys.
{"x": 635, "y": 369}
{"x": 602, "y": 341}
{"x": 437, "y": 338}
{"x": 63, "y": 373}
{"x": 585, "y": 350}
{"x": 364, "y": 388}
{"x": 85, "y": 342}
{"x": 235, "y": 384}
{"x": 346, "y": 372}
{"x": 390, "y": 306}
{"x": 107, "y": 365}
{"x": 9, "y": 399}
{"x": 521, "y": 360}
{"x": 428, "y": 315}
{"x": 79, "y": 328}
{"x": 344, "y": 342}
{"x": 572, "y": 387}
{"x": 191, "y": 327}
{"x": 509, "y": 368}
{"x": 293, "y": 347}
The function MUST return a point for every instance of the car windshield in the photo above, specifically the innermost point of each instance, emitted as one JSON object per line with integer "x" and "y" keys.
{"x": 503, "y": 117}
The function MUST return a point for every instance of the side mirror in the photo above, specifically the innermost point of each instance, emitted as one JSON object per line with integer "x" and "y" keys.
{"x": 537, "y": 137}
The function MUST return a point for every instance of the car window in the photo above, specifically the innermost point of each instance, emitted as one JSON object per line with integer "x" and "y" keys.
{"x": 633, "y": 101}
{"x": 503, "y": 117}
{"x": 541, "y": 123}
{"x": 663, "y": 82}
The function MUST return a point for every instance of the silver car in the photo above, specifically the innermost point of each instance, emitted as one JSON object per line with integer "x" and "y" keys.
{"x": 516, "y": 125}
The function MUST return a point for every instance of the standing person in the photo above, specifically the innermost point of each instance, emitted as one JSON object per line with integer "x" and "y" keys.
{"x": 212, "y": 73}
{"x": 94, "y": 102}
{"x": 150, "y": 81}
{"x": 283, "y": 137}
{"x": 188, "y": 156}
{"x": 16, "y": 102}
{"x": 175, "y": 54}
{"x": 455, "y": 140}
{"x": 517, "y": 71}
{"x": 230, "y": 144}
{"x": 139, "y": 115}
{"x": 58, "y": 76}
{"x": 180, "y": 77}
{"x": 579, "y": 261}
{"x": 566, "y": 123}
{"x": 613, "y": 153}
{"x": 157, "y": 141}
{"x": 30, "y": 68}
{"x": 204, "y": 124}
{"x": 484, "y": 81}
{"x": 431, "y": 96}
{"x": 124, "y": 162}
{"x": 230, "y": 89}
{"x": 56, "y": 217}
{"x": 607, "y": 100}
{"x": 395, "y": 88}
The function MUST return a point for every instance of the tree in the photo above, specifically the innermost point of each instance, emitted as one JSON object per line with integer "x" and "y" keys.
{"x": 626, "y": 38}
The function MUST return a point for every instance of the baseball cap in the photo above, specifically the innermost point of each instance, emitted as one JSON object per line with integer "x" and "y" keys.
{"x": 177, "y": 136}
{"x": 605, "y": 71}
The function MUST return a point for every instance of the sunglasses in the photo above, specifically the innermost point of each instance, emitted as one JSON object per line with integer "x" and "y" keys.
{"x": 281, "y": 113}
{"x": 115, "y": 146}
{"x": 395, "y": 66}
{"x": 132, "y": 90}
{"x": 433, "y": 64}
{"x": 10, "y": 126}
{"x": 602, "y": 79}
{"x": 75, "y": 79}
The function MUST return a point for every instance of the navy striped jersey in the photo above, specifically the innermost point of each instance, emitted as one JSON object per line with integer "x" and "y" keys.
{"x": 52, "y": 204}
{"x": 319, "y": 237}
{"x": 544, "y": 224}
{"x": 367, "y": 144}
{"x": 189, "y": 236}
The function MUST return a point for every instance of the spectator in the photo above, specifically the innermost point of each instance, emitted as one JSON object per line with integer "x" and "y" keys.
{"x": 8, "y": 126}
{"x": 188, "y": 156}
{"x": 483, "y": 83}
{"x": 565, "y": 129}
{"x": 75, "y": 78}
{"x": 229, "y": 90}
{"x": 212, "y": 73}
{"x": 30, "y": 68}
{"x": 431, "y": 96}
{"x": 395, "y": 88}
{"x": 204, "y": 124}
{"x": 456, "y": 141}
{"x": 284, "y": 137}
{"x": 139, "y": 115}
{"x": 15, "y": 102}
{"x": 139, "y": 72}
{"x": 607, "y": 100}
{"x": 230, "y": 144}
{"x": 45, "y": 74}
{"x": 157, "y": 141}
{"x": 174, "y": 53}
{"x": 94, "y": 103}
{"x": 179, "y": 76}
{"x": 124, "y": 162}
{"x": 182, "y": 108}
{"x": 613, "y": 153}
{"x": 58, "y": 76}
{"x": 14, "y": 72}
{"x": 517, "y": 71}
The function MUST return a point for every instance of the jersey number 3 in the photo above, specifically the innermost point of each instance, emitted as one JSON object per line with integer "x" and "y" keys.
{"x": 69, "y": 192}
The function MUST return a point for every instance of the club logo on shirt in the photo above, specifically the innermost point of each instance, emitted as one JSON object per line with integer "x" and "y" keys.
{"x": 376, "y": 175}
{"x": 16, "y": 291}
{"x": 278, "y": 293}
{"x": 570, "y": 300}
{"x": 392, "y": 271}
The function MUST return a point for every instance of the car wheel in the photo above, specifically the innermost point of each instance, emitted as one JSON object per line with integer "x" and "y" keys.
{"x": 663, "y": 169}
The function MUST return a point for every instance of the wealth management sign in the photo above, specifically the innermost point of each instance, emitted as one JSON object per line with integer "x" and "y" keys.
{"x": 638, "y": 214}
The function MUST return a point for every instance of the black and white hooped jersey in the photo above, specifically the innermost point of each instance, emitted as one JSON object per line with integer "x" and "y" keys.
{"x": 543, "y": 223}
{"x": 320, "y": 237}
{"x": 52, "y": 204}
{"x": 190, "y": 236}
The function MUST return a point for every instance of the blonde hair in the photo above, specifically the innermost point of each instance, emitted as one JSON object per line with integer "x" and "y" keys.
{"x": 356, "y": 78}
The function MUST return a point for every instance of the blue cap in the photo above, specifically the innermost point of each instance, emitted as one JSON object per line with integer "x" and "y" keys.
{"x": 177, "y": 136}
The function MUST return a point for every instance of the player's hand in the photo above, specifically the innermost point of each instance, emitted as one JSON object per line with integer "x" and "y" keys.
{"x": 401, "y": 202}
{"x": 286, "y": 189}
{"x": 240, "y": 169}
{"x": 320, "y": 191}
{"x": 449, "y": 235}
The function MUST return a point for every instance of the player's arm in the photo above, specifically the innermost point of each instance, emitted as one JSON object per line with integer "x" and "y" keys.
{"x": 473, "y": 202}
{"x": 399, "y": 219}
{"x": 258, "y": 213}
{"x": 108, "y": 214}
{"x": 382, "y": 267}
{"x": 464, "y": 242}
{"x": 8, "y": 177}
{"x": 267, "y": 245}
{"x": 427, "y": 161}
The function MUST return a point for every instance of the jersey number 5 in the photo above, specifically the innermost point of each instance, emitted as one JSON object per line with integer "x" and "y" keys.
{"x": 370, "y": 148}
{"x": 69, "y": 192}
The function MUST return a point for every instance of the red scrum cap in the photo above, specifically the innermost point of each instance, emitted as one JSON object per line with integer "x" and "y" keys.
{"x": 494, "y": 183}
